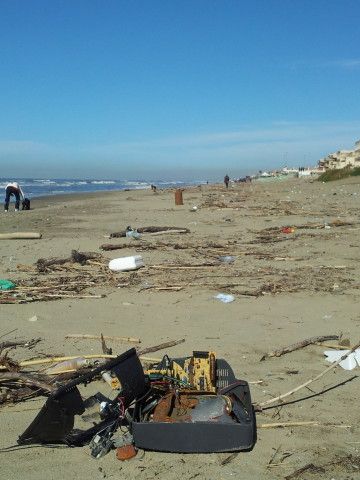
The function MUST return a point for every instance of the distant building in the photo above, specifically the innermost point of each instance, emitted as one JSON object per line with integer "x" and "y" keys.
{"x": 342, "y": 159}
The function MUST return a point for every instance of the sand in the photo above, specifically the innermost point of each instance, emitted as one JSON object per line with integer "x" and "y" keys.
{"x": 310, "y": 286}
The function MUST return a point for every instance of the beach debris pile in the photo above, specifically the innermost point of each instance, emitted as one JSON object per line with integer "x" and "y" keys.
{"x": 55, "y": 278}
{"x": 146, "y": 403}
{"x": 212, "y": 264}
{"x": 154, "y": 407}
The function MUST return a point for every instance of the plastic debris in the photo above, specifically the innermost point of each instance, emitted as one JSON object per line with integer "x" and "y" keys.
{"x": 351, "y": 362}
{"x": 124, "y": 264}
{"x": 227, "y": 258}
{"x": 224, "y": 297}
{"x": 288, "y": 230}
{"x": 6, "y": 285}
{"x": 131, "y": 233}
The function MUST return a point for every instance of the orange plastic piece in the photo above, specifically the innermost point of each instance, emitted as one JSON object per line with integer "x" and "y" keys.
{"x": 126, "y": 452}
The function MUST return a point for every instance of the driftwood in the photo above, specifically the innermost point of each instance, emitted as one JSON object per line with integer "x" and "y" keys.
{"x": 16, "y": 343}
{"x": 150, "y": 230}
{"x": 105, "y": 337}
{"x": 20, "y": 236}
{"x": 76, "y": 257}
{"x": 104, "y": 347}
{"x": 298, "y": 345}
{"x": 161, "y": 346}
{"x": 279, "y": 398}
{"x": 42, "y": 361}
{"x": 111, "y": 246}
{"x": 309, "y": 466}
{"x": 38, "y": 381}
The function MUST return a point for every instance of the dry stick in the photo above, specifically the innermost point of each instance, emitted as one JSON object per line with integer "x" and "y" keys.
{"x": 183, "y": 267}
{"x": 309, "y": 466}
{"x": 72, "y": 370}
{"x": 312, "y": 380}
{"x": 168, "y": 232}
{"x": 161, "y": 346}
{"x": 23, "y": 343}
{"x": 298, "y": 345}
{"x": 106, "y": 337}
{"x": 40, "y": 361}
{"x": 151, "y": 230}
{"x": 299, "y": 424}
{"x": 8, "y": 333}
{"x": 333, "y": 345}
{"x": 104, "y": 347}
{"x": 27, "y": 379}
{"x": 61, "y": 295}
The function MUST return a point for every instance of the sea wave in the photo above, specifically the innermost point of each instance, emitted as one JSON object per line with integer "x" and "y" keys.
{"x": 103, "y": 182}
{"x": 39, "y": 187}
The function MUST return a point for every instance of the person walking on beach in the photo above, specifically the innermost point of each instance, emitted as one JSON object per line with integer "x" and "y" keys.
{"x": 226, "y": 180}
{"x": 13, "y": 189}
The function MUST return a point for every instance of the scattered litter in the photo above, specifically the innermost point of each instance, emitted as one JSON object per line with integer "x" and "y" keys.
{"x": 224, "y": 297}
{"x": 73, "y": 364}
{"x": 6, "y": 285}
{"x": 33, "y": 319}
{"x": 131, "y": 233}
{"x": 124, "y": 264}
{"x": 227, "y": 258}
{"x": 193, "y": 209}
{"x": 350, "y": 362}
{"x": 288, "y": 230}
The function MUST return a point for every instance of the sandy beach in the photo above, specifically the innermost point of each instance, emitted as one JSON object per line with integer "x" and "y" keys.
{"x": 287, "y": 287}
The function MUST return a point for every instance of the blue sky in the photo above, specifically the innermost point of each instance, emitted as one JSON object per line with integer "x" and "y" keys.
{"x": 175, "y": 88}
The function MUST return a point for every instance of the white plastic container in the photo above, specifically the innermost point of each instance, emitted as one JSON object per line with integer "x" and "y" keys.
{"x": 72, "y": 364}
{"x": 124, "y": 264}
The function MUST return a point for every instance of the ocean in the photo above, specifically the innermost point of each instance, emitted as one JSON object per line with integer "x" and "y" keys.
{"x": 39, "y": 187}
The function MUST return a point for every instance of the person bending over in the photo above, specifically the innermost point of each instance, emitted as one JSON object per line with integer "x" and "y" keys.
{"x": 13, "y": 189}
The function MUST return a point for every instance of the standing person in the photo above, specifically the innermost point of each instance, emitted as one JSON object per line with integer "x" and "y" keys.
{"x": 226, "y": 180}
{"x": 13, "y": 189}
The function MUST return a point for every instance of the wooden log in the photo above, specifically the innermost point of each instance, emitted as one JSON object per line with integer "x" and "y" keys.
{"x": 110, "y": 246}
{"x": 20, "y": 236}
{"x": 298, "y": 345}
{"x": 86, "y": 336}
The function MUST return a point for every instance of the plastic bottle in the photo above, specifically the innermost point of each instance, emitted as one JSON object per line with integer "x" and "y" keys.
{"x": 73, "y": 364}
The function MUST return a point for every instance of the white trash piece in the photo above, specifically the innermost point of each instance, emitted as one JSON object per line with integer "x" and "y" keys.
{"x": 124, "y": 264}
{"x": 351, "y": 362}
{"x": 73, "y": 364}
{"x": 224, "y": 297}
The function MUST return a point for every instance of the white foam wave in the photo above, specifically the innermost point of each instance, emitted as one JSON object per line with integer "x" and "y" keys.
{"x": 103, "y": 182}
